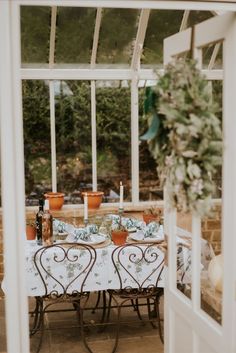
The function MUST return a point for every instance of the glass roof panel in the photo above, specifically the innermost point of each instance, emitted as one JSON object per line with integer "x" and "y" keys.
{"x": 35, "y": 34}
{"x": 74, "y": 35}
{"x": 162, "y": 24}
{"x": 207, "y": 53}
{"x": 117, "y": 35}
{"x": 198, "y": 16}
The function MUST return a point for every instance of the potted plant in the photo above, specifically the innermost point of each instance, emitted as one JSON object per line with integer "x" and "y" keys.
{"x": 30, "y": 230}
{"x": 152, "y": 214}
{"x": 94, "y": 198}
{"x": 56, "y": 200}
{"x": 119, "y": 233}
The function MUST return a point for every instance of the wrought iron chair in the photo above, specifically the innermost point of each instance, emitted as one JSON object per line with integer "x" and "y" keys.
{"x": 64, "y": 269}
{"x": 139, "y": 268}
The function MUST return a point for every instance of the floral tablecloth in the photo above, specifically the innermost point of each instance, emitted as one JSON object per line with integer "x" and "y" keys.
{"x": 102, "y": 276}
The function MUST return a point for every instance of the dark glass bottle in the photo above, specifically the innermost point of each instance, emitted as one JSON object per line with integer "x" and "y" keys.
{"x": 47, "y": 233}
{"x": 38, "y": 222}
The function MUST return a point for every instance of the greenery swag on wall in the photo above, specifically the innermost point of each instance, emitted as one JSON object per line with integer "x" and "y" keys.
{"x": 184, "y": 135}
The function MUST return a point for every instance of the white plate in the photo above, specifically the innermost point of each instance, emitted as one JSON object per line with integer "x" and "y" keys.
{"x": 132, "y": 230}
{"x": 95, "y": 239}
{"x": 139, "y": 236}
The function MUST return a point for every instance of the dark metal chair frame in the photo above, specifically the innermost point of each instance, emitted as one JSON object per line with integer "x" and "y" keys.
{"x": 138, "y": 253}
{"x": 64, "y": 252}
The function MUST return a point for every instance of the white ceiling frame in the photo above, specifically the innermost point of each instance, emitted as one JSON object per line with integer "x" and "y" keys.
{"x": 138, "y": 4}
{"x": 98, "y": 74}
{"x": 52, "y": 36}
{"x": 213, "y": 56}
{"x": 184, "y": 22}
{"x": 138, "y": 47}
{"x": 96, "y": 36}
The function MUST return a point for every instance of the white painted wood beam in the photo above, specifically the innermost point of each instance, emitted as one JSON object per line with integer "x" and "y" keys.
{"x": 216, "y": 5}
{"x": 184, "y": 22}
{"x": 53, "y": 136}
{"x": 94, "y": 134}
{"x": 99, "y": 74}
{"x": 213, "y": 56}
{"x": 138, "y": 47}
{"x": 12, "y": 180}
{"x": 52, "y": 36}
{"x": 96, "y": 36}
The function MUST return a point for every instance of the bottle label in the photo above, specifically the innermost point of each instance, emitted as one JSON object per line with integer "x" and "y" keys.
{"x": 47, "y": 234}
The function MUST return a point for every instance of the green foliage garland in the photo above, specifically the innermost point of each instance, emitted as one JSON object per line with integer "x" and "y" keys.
{"x": 185, "y": 135}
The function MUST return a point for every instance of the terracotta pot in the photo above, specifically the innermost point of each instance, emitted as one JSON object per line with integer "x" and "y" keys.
{"x": 149, "y": 218}
{"x": 119, "y": 236}
{"x": 94, "y": 198}
{"x": 30, "y": 232}
{"x": 56, "y": 200}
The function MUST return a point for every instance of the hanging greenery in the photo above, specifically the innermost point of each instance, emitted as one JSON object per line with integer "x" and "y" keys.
{"x": 184, "y": 135}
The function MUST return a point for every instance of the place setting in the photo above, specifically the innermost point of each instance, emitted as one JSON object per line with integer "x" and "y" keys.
{"x": 89, "y": 234}
{"x": 151, "y": 233}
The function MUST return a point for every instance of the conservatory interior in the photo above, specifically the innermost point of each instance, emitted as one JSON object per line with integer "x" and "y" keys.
{"x": 98, "y": 109}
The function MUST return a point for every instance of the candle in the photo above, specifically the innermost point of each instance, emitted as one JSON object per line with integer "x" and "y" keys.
{"x": 121, "y": 195}
{"x": 86, "y": 206}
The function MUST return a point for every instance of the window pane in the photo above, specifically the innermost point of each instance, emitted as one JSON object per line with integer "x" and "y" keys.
{"x": 211, "y": 275}
{"x": 198, "y": 16}
{"x": 149, "y": 183}
{"x": 113, "y": 139}
{"x": 75, "y": 29}
{"x": 184, "y": 256}
{"x": 117, "y": 35}
{"x": 162, "y": 24}
{"x": 73, "y": 138}
{"x": 35, "y": 34}
{"x": 37, "y": 148}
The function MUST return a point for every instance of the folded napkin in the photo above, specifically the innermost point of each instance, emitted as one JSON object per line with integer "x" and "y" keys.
{"x": 147, "y": 234}
{"x": 128, "y": 223}
{"x": 151, "y": 230}
{"x": 74, "y": 233}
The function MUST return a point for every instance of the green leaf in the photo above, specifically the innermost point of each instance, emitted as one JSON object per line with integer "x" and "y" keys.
{"x": 153, "y": 128}
{"x": 149, "y": 103}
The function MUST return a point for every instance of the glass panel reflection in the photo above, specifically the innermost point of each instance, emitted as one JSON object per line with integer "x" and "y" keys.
{"x": 184, "y": 246}
{"x": 161, "y": 24}
{"x": 196, "y": 17}
{"x": 149, "y": 183}
{"x": 117, "y": 35}
{"x": 35, "y": 34}
{"x": 212, "y": 262}
{"x": 113, "y": 114}
{"x": 73, "y": 138}
{"x": 75, "y": 29}
{"x": 37, "y": 146}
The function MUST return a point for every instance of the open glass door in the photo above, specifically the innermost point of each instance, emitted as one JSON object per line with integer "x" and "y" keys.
{"x": 200, "y": 317}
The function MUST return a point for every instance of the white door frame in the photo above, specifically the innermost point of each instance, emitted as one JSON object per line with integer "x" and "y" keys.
{"x": 220, "y": 338}
{"x": 12, "y": 157}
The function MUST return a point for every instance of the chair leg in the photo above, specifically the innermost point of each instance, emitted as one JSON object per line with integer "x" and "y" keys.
{"x": 40, "y": 326}
{"x": 159, "y": 319}
{"x": 109, "y": 308}
{"x": 138, "y": 311}
{"x": 117, "y": 328}
{"x": 97, "y": 302}
{"x": 104, "y": 306}
{"x": 82, "y": 329}
{"x": 36, "y": 315}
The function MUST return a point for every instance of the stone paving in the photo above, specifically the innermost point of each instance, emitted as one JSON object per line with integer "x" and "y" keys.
{"x": 63, "y": 336}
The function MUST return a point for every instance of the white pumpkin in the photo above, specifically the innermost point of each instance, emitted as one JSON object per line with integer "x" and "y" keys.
{"x": 215, "y": 272}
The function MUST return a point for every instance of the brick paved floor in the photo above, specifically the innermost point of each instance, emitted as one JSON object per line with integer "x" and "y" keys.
{"x": 135, "y": 337}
